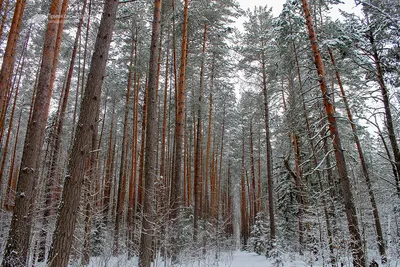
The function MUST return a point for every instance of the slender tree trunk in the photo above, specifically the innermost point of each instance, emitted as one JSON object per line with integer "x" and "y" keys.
{"x": 259, "y": 190}
{"x": 176, "y": 192}
{"x": 270, "y": 183}
{"x": 66, "y": 220}
{"x": 146, "y": 242}
{"x": 123, "y": 164}
{"x": 186, "y": 172}
{"x": 8, "y": 59}
{"x": 351, "y": 214}
{"x": 315, "y": 160}
{"x": 85, "y": 50}
{"x": 389, "y": 157}
{"x": 4, "y": 17}
{"x": 378, "y": 227}
{"x": 142, "y": 150}
{"x": 385, "y": 98}
{"x": 88, "y": 199}
{"x": 253, "y": 203}
{"x": 11, "y": 119}
{"x": 243, "y": 209}
{"x": 198, "y": 183}
{"x": 208, "y": 148}
{"x": 133, "y": 181}
{"x": 296, "y": 150}
{"x": 165, "y": 105}
{"x": 109, "y": 172}
{"x": 8, "y": 201}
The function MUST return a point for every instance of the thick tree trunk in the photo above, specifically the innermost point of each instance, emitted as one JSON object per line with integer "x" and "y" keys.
{"x": 65, "y": 226}
{"x": 53, "y": 174}
{"x": 351, "y": 214}
{"x": 17, "y": 247}
{"x": 146, "y": 242}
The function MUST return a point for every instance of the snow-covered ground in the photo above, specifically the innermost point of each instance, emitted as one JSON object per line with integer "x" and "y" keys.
{"x": 227, "y": 259}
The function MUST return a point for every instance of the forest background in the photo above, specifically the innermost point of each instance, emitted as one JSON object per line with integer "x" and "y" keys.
{"x": 158, "y": 131}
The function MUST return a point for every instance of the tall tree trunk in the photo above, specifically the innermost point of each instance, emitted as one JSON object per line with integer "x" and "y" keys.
{"x": 89, "y": 179}
{"x": 53, "y": 174}
{"x": 11, "y": 118}
{"x": 176, "y": 192}
{"x": 378, "y": 227}
{"x": 142, "y": 150}
{"x": 85, "y": 50}
{"x": 253, "y": 203}
{"x": 8, "y": 201}
{"x": 270, "y": 183}
{"x": 133, "y": 178}
{"x": 9, "y": 58}
{"x": 315, "y": 160}
{"x": 298, "y": 181}
{"x": 165, "y": 106}
{"x": 386, "y": 101}
{"x": 206, "y": 175}
{"x": 17, "y": 247}
{"x": 4, "y": 17}
{"x": 259, "y": 190}
{"x": 66, "y": 220}
{"x": 243, "y": 209}
{"x": 123, "y": 163}
{"x": 198, "y": 183}
{"x": 389, "y": 158}
{"x": 351, "y": 214}
{"x": 109, "y": 172}
{"x": 146, "y": 242}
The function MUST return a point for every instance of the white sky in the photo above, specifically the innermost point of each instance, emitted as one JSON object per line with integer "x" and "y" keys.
{"x": 277, "y": 5}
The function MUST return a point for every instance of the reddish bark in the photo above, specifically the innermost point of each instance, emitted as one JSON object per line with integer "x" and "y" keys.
{"x": 8, "y": 60}
{"x": 17, "y": 247}
{"x": 356, "y": 243}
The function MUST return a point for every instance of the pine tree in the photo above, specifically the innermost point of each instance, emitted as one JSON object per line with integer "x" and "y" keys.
{"x": 62, "y": 238}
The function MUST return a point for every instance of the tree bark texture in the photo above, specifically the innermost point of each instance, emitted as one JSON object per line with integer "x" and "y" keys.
{"x": 9, "y": 58}
{"x": 89, "y": 112}
{"x": 150, "y": 172}
{"x": 16, "y": 249}
{"x": 351, "y": 214}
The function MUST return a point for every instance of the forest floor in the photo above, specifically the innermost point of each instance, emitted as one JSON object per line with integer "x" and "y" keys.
{"x": 229, "y": 259}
